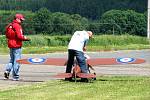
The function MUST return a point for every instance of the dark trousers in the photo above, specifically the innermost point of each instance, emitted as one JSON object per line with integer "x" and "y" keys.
{"x": 80, "y": 59}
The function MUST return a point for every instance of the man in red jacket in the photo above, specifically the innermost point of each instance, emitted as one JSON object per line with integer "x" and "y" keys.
{"x": 14, "y": 35}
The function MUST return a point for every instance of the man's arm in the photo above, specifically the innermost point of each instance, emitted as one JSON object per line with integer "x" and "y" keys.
{"x": 19, "y": 33}
{"x": 85, "y": 43}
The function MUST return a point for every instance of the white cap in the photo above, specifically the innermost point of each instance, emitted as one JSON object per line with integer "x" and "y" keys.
{"x": 90, "y": 33}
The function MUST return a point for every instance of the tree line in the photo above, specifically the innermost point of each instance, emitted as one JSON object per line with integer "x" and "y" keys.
{"x": 111, "y": 22}
{"x": 91, "y": 9}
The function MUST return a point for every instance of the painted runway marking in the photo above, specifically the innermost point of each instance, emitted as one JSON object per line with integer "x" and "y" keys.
{"x": 36, "y": 60}
{"x": 125, "y": 60}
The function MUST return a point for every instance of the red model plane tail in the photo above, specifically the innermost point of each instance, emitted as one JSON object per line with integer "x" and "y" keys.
{"x": 86, "y": 75}
{"x": 63, "y": 75}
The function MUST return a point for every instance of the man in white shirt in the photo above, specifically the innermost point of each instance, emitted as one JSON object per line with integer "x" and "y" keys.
{"x": 76, "y": 47}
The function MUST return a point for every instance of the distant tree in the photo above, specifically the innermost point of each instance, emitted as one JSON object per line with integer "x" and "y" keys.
{"x": 62, "y": 23}
{"x": 127, "y": 21}
{"x": 79, "y": 22}
{"x": 42, "y": 21}
{"x": 66, "y": 24}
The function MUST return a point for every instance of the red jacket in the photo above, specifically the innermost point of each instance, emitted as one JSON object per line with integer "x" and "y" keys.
{"x": 16, "y": 40}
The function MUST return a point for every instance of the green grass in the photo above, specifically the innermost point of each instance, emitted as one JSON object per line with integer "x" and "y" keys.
{"x": 47, "y": 49}
{"x": 104, "y": 88}
{"x": 48, "y": 44}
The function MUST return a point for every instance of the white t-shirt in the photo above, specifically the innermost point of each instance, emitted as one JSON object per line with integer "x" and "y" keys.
{"x": 78, "y": 40}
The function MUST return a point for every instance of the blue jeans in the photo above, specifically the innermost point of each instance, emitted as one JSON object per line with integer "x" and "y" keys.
{"x": 80, "y": 59}
{"x": 15, "y": 54}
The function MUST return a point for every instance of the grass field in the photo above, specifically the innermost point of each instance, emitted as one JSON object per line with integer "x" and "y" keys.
{"x": 104, "y": 88}
{"x": 46, "y": 49}
{"x": 48, "y": 44}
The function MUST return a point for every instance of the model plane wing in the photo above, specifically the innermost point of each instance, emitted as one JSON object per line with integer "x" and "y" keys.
{"x": 113, "y": 61}
{"x": 44, "y": 61}
{"x": 93, "y": 61}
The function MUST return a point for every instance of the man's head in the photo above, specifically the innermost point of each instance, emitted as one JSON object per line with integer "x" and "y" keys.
{"x": 90, "y": 34}
{"x": 19, "y": 17}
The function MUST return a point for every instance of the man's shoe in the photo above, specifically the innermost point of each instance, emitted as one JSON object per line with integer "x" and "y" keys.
{"x": 95, "y": 75}
{"x": 84, "y": 80}
{"x": 68, "y": 79}
{"x": 15, "y": 79}
{"x": 6, "y": 75}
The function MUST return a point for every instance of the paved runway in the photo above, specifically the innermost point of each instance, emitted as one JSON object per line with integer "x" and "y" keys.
{"x": 30, "y": 74}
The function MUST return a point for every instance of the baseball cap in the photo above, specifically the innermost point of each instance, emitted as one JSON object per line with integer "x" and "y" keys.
{"x": 19, "y": 16}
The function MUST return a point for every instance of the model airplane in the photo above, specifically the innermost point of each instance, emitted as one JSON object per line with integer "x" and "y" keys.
{"x": 76, "y": 71}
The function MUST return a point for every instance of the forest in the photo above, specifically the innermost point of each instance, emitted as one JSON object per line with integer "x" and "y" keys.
{"x": 92, "y": 9}
{"x": 65, "y": 16}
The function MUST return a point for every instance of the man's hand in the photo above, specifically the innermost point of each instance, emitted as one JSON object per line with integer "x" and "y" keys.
{"x": 26, "y": 39}
{"x": 84, "y": 48}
